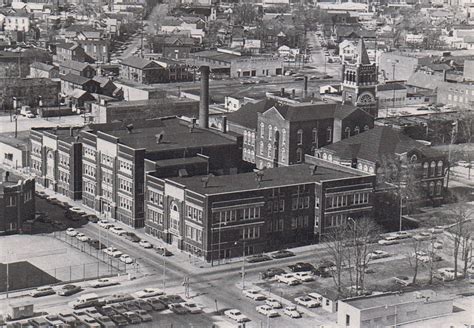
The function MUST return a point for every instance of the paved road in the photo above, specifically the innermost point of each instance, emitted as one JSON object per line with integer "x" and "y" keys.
{"x": 319, "y": 60}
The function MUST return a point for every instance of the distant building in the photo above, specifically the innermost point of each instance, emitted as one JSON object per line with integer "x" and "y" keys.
{"x": 142, "y": 71}
{"x": 391, "y": 309}
{"x": 19, "y": 21}
{"x": 71, "y": 52}
{"x": 77, "y": 68}
{"x": 42, "y": 70}
{"x": 71, "y": 82}
{"x": 17, "y": 202}
{"x": 31, "y": 92}
{"x": 456, "y": 94}
{"x": 399, "y": 66}
{"x": 391, "y": 95}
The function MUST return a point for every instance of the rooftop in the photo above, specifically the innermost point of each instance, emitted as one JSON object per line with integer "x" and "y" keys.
{"x": 275, "y": 177}
{"x": 372, "y": 301}
{"x": 12, "y": 178}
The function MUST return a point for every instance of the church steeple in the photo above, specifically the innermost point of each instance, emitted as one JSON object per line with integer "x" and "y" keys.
{"x": 362, "y": 55}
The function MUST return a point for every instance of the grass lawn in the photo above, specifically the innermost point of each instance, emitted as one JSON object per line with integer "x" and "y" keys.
{"x": 23, "y": 275}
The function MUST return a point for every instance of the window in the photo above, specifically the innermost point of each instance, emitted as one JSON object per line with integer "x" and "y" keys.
{"x": 269, "y": 151}
{"x": 439, "y": 188}
{"x": 262, "y": 130}
{"x": 425, "y": 169}
{"x": 315, "y": 136}
{"x": 261, "y": 148}
{"x": 194, "y": 213}
{"x": 432, "y": 188}
{"x": 250, "y": 233}
{"x": 284, "y": 137}
{"x": 356, "y": 130}
{"x": 348, "y": 320}
{"x": 433, "y": 168}
{"x": 299, "y": 155}
{"x": 439, "y": 168}
{"x": 329, "y": 134}
{"x": 347, "y": 132}
{"x": 366, "y": 128}
{"x": 282, "y": 205}
{"x": 270, "y": 132}
{"x": 299, "y": 137}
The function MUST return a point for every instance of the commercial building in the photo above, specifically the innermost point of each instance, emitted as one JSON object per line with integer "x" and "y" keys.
{"x": 391, "y": 95}
{"x": 225, "y": 216}
{"x": 17, "y": 202}
{"x": 399, "y": 66}
{"x": 456, "y": 94}
{"x": 392, "y": 309}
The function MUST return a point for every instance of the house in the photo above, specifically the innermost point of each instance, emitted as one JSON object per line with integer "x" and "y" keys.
{"x": 173, "y": 46}
{"x": 392, "y": 309}
{"x": 77, "y": 68}
{"x": 70, "y": 82}
{"x": 39, "y": 69}
{"x": 71, "y": 52}
{"x": 347, "y": 50}
{"x": 17, "y": 22}
{"x": 142, "y": 70}
{"x": 96, "y": 49}
{"x": 328, "y": 299}
{"x": 78, "y": 98}
{"x": 108, "y": 88}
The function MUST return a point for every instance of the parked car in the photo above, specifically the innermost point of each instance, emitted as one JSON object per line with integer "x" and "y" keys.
{"x": 236, "y": 315}
{"x": 282, "y": 254}
{"x": 82, "y": 237}
{"x": 267, "y": 311}
{"x": 42, "y": 291}
{"x": 389, "y": 240}
{"x": 67, "y": 290}
{"x": 71, "y": 232}
{"x": 402, "y": 235}
{"x": 149, "y": 292}
{"x": 143, "y": 305}
{"x": 378, "y": 254}
{"x": 304, "y": 276}
{"x": 287, "y": 278}
{"x": 91, "y": 218}
{"x": 156, "y": 304}
{"x": 119, "y": 320}
{"x": 106, "y": 322}
{"x": 437, "y": 229}
{"x": 163, "y": 251}
{"x": 178, "y": 308}
{"x": 145, "y": 244}
{"x": 132, "y": 237}
{"x": 438, "y": 244}
{"x": 423, "y": 236}
{"x": 170, "y": 299}
{"x": 447, "y": 274}
{"x": 144, "y": 316}
{"x": 104, "y": 282}
{"x": 118, "y": 297}
{"x": 191, "y": 307}
{"x": 117, "y": 230}
{"x": 402, "y": 280}
{"x": 96, "y": 244}
{"x": 302, "y": 266}
{"x": 131, "y": 305}
{"x": 272, "y": 272}
{"x": 119, "y": 308}
{"x": 258, "y": 258}
{"x": 307, "y": 301}
{"x": 106, "y": 310}
{"x": 112, "y": 251}
{"x": 292, "y": 312}
{"x": 77, "y": 210}
{"x": 273, "y": 303}
{"x": 125, "y": 258}
{"x": 254, "y": 294}
{"x": 105, "y": 224}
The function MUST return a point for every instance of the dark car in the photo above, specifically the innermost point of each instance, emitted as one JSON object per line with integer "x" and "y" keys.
{"x": 157, "y": 304}
{"x": 163, "y": 251}
{"x": 327, "y": 76}
{"x": 106, "y": 310}
{"x": 119, "y": 297}
{"x": 178, "y": 308}
{"x": 96, "y": 244}
{"x": 67, "y": 290}
{"x": 143, "y": 305}
{"x": 258, "y": 258}
{"x": 132, "y": 237}
{"x": 170, "y": 299}
{"x": 119, "y": 308}
{"x": 302, "y": 266}
{"x": 132, "y": 317}
{"x": 119, "y": 320}
{"x": 91, "y": 218}
{"x": 130, "y": 306}
{"x": 105, "y": 322}
{"x": 272, "y": 272}
{"x": 282, "y": 254}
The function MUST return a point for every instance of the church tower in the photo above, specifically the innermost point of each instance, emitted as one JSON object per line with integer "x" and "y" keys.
{"x": 359, "y": 81}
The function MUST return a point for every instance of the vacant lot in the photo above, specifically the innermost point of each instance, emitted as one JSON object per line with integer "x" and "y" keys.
{"x": 22, "y": 275}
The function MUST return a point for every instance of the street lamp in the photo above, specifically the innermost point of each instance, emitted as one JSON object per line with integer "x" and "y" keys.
{"x": 243, "y": 262}
{"x": 454, "y": 127}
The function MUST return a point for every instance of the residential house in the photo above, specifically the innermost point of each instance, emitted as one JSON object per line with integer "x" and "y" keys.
{"x": 70, "y": 82}
{"x": 17, "y": 22}
{"x": 42, "y": 70}
{"x": 142, "y": 70}
{"x": 77, "y": 68}
{"x": 71, "y": 52}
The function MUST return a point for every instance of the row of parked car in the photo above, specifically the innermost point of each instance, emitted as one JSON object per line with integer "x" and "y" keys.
{"x": 398, "y": 236}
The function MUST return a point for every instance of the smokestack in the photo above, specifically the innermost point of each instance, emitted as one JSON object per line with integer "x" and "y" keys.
{"x": 224, "y": 124}
{"x": 305, "y": 86}
{"x": 444, "y": 75}
{"x": 204, "y": 101}
{"x": 282, "y": 92}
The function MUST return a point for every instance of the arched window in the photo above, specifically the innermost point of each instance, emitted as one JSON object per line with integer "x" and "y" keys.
{"x": 299, "y": 137}
{"x": 366, "y": 128}
{"x": 432, "y": 188}
{"x": 325, "y": 156}
{"x": 246, "y": 137}
{"x": 413, "y": 159}
{"x": 262, "y": 130}
{"x": 433, "y": 168}
{"x": 315, "y": 136}
{"x": 366, "y": 168}
{"x": 269, "y": 150}
{"x": 330, "y": 157}
{"x": 347, "y": 132}
{"x": 270, "y": 131}
{"x": 283, "y": 154}
{"x": 425, "y": 169}
{"x": 356, "y": 130}
{"x": 439, "y": 168}
{"x": 261, "y": 147}
{"x": 329, "y": 134}
{"x": 360, "y": 166}
{"x": 371, "y": 170}
{"x": 253, "y": 138}
{"x": 299, "y": 155}
{"x": 284, "y": 136}
{"x": 439, "y": 188}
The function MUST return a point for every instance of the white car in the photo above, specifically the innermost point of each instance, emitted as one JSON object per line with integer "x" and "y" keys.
{"x": 401, "y": 235}
{"x": 304, "y": 276}
{"x": 447, "y": 274}
{"x": 437, "y": 229}
{"x": 267, "y": 310}
{"x": 149, "y": 292}
{"x": 287, "y": 278}
{"x": 145, "y": 244}
{"x": 307, "y": 301}
{"x": 112, "y": 251}
{"x": 378, "y": 254}
{"x": 105, "y": 224}
{"x": 438, "y": 244}
{"x": 423, "y": 236}
{"x": 117, "y": 230}
{"x": 390, "y": 240}
{"x": 82, "y": 237}
{"x": 421, "y": 256}
{"x": 254, "y": 294}
{"x": 77, "y": 210}
{"x": 71, "y": 232}
{"x": 236, "y": 315}
{"x": 193, "y": 308}
{"x": 104, "y": 282}
{"x": 292, "y": 312}
{"x": 125, "y": 258}
{"x": 273, "y": 303}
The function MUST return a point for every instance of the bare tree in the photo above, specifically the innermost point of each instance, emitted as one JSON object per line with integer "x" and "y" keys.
{"x": 414, "y": 258}
{"x": 461, "y": 235}
{"x": 335, "y": 246}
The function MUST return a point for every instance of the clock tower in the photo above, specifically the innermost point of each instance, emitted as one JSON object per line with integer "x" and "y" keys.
{"x": 359, "y": 81}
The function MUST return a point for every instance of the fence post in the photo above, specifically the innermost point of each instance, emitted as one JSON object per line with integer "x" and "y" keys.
{"x": 83, "y": 271}
{"x": 70, "y": 274}
{"x": 98, "y": 269}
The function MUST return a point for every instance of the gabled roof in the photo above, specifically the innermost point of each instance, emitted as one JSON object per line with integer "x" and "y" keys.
{"x": 138, "y": 62}
{"x": 76, "y": 79}
{"x": 103, "y": 81}
{"x": 345, "y": 110}
{"x": 75, "y": 65}
{"x": 247, "y": 115}
{"x": 380, "y": 141}
{"x": 42, "y": 66}
{"x": 306, "y": 111}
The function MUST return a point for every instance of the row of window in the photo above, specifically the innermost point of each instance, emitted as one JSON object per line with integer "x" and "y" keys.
{"x": 125, "y": 185}
{"x": 249, "y": 213}
{"x": 249, "y": 155}
{"x": 125, "y": 166}
{"x": 336, "y": 220}
{"x": 107, "y": 194}
{"x": 436, "y": 169}
{"x": 347, "y": 130}
{"x": 36, "y": 165}
{"x": 250, "y": 233}
{"x": 125, "y": 203}
{"x": 63, "y": 177}
{"x": 107, "y": 160}
{"x": 193, "y": 233}
{"x": 155, "y": 217}
{"x": 249, "y": 138}
{"x": 155, "y": 198}
{"x": 89, "y": 170}
{"x": 64, "y": 160}
{"x": 276, "y": 225}
{"x": 300, "y": 203}
{"x": 276, "y": 206}
{"x": 89, "y": 187}
{"x": 107, "y": 177}
{"x": 36, "y": 149}
{"x": 88, "y": 152}
{"x": 345, "y": 200}
{"x": 193, "y": 213}
{"x": 271, "y": 132}
{"x": 299, "y": 222}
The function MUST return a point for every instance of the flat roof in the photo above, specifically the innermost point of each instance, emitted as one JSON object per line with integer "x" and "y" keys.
{"x": 181, "y": 161}
{"x": 19, "y": 142}
{"x": 274, "y": 177}
{"x": 12, "y": 178}
{"x": 367, "y": 302}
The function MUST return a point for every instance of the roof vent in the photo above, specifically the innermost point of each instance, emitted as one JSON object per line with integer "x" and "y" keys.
{"x": 314, "y": 169}
{"x": 205, "y": 180}
{"x": 259, "y": 176}
{"x": 129, "y": 128}
{"x": 159, "y": 137}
